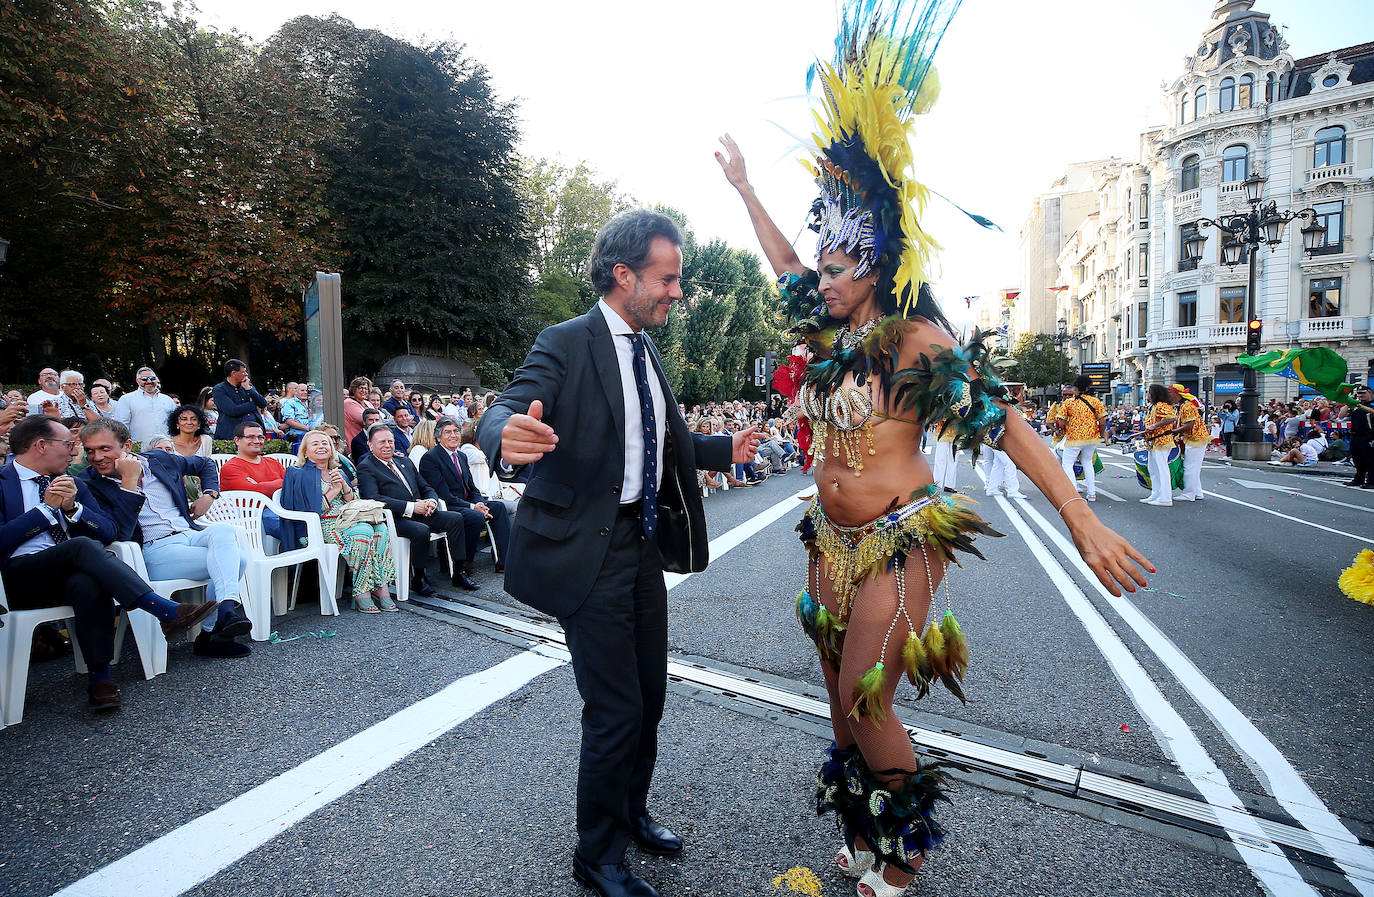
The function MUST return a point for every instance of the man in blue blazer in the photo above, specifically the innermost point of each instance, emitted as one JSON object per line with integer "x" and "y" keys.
{"x": 146, "y": 496}
{"x": 611, "y": 501}
{"x": 53, "y": 533}
{"x": 235, "y": 399}
{"x": 447, "y": 470}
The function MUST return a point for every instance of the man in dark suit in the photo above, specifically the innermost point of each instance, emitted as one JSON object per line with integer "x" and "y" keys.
{"x": 145, "y": 494}
{"x": 402, "y": 424}
{"x": 358, "y": 447}
{"x": 391, "y": 479}
{"x": 447, "y": 470}
{"x": 602, "y": 518}
{"x": 52, "y": 551}
{"x": 235, "y": 399}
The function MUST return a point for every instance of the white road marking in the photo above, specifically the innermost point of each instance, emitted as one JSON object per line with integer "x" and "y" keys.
{"x": 1290, "y": 490}
{"x": 1267, "y": 862}
{"x": 1112, "y": 495}
{"x": 733, "y": 538}
{"x": 187, "y": 856}
{"x": 1287, "y": 517}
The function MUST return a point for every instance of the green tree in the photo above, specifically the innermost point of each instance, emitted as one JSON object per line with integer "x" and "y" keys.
{"x": 1038, "y": 360}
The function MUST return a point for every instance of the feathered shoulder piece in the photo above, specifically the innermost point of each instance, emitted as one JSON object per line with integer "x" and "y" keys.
{"x": 880, "y": 77}
{"x": 956, "y": 389}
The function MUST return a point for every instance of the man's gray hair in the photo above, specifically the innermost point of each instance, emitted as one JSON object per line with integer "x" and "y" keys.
{"x": 625, "y": 240}
{"x": 75, "y": 375}
{"x": 142, "y": 369}
{"x": 106, "y": 425}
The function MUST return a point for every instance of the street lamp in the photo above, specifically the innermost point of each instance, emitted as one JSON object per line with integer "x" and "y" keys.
{"x": 1262, "y": 225}
{"x": 1062, "y": 336}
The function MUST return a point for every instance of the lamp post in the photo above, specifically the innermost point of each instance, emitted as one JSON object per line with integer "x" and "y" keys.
{"x": 1062, "y": 336}
{"x": 1262, "y": 225}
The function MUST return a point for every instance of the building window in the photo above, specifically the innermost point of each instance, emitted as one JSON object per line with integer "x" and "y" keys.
{"x": 1144, "y": 263}
{"x": 1226, "y": 96}
{"x": 1247, "y": 91}
{"x": 1183, "y": 109}
{"x": 1187, "y": 309}
{"x": 1331, "y": 80}
{"x": 1186, "y": 233}
{"x": 1232, "y": 310}
{"x": 1329, "y": 216}
{"x": 1200, "y": 102}
{"x": 1144, "y": 205}
{"x": 1188, "y": 178}
{"x": 1324, "y": 298}
{"x": 1271, "y": 88}
{"x": 1330, "y": 147}
{"x": 1128, "y": 264}
{"x": 1142, "y": 322}
{"x": 1235, "y": 163}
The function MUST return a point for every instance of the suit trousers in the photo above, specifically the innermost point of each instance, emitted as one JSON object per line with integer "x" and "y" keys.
{"x": 618, "y": 639}
{"x": 1363, "y": 456}
{"x": 474, "y": 523}
{"x": 79, "y": 572}
{"x": 417, "y": 530}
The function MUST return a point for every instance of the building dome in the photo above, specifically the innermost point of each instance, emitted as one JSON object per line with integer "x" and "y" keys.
{"x": 430, "y": 373}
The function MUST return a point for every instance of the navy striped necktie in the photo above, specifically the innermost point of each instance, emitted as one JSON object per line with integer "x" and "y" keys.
{"x": 649, "y": 515}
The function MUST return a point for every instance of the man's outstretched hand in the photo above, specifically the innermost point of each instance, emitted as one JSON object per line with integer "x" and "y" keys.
{"x": 745, "y": 445}
{"x": 526, "y": 438}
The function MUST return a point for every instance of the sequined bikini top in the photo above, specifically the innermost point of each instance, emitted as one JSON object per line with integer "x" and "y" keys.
{"x": 847, "y": 408}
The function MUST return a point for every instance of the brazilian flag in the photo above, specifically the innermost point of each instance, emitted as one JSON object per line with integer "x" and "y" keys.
{"x": 1142, "y": 468}
{"x": 1320, "y": 368}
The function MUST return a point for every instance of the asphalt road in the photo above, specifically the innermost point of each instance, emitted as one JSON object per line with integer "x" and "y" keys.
{"x": 313, "y": 768}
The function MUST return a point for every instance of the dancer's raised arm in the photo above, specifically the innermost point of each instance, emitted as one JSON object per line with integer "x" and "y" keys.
{"x": 779, "y": 250}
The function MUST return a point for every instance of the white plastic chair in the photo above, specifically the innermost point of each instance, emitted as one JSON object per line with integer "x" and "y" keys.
{"x": 267, "y": 591}
{"x": 147, "y": 631}
{"x": 400, "y": 552}
{"x": 16, "y": 643}
{"x": 286, "y": 459}
{"x": 219, "y": 461}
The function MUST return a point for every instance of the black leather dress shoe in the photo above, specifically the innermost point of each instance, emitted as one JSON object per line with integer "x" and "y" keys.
{"x": 612, "y": 880}
{"x": 1356, "y": 483}
{"x": 422, "y": 588}
{"x": 654, "y": 838}
{"x": 463, "y": 581}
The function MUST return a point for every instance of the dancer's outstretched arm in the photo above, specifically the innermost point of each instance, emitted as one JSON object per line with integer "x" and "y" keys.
{"x": 776, "y": 247}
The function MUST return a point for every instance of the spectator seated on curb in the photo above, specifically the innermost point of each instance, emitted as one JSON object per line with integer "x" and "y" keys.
{"x": 53, "y": 534}
{"x": 144, "y": 496}
{"x": 1302, "y": 453}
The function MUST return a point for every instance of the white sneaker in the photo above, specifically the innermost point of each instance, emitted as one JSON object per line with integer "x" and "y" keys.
{"x": 1091, "y": 496}
{"x": 1184, "y": 498}
{"x": 1021, "y": 495}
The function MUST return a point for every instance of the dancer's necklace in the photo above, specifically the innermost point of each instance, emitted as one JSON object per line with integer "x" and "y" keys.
{"x": 849, "y": 340}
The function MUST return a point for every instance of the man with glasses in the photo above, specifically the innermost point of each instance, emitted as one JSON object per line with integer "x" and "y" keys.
{"x": 53, "y": 533}
{"x": 72, "y": 401}
{"x": 47, "y": 394}
{"x": 145, "y": 410}
{"x": 145, "y": 495}
{"x": 249, "y": 470}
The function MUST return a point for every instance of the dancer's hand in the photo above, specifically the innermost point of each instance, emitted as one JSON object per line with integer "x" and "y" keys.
{"x": 745, "y": 445}
{"x": 526, "y": 438}
{"x": 1113, "y": 559}
{"x": 733, "y": 164}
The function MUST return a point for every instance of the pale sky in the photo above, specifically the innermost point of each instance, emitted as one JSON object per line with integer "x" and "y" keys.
{"x": 641, "y": 91}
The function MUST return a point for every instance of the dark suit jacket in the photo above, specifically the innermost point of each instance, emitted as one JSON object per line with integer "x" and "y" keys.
{"x": 562, "y": 530}
{"x": 17, "y": 525}
{"x": 358, "y": 447}
{"x": 402, "y": 441}
{"x": 457, "y": 490}
{"x": 376, "y": 481}
{"x": 234, "y": 404}
{"x": 167, "y": 469}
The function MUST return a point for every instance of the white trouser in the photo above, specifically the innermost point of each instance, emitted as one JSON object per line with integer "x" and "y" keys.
{"x": 1001, "y": 473}
{"x": 1072, "y": 453}
{"x": 212, "y": 553}
{"x": 1192, "y": 470}
{"x": 946, "y": 472}
{"x": 1161, "y": 488}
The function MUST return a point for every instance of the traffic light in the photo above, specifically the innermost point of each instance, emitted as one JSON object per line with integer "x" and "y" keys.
{"x": 1253, "y": 334}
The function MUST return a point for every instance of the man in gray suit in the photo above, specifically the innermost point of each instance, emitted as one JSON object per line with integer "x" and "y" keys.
{"x": 610, "y": 503}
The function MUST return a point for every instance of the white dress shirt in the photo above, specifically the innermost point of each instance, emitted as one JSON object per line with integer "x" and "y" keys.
{"x": 632, "y": 486}
{"x": 28, "y": 491}
{"x": 144, "y": 415}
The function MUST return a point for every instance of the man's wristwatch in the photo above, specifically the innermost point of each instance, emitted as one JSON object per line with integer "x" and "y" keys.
{"x": 213, "y": 493}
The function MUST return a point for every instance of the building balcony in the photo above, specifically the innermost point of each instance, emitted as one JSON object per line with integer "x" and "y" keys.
{"x": 1331, "y": 172}
{"x": 1201, "y": 335}
{"x": 1326, "y": 328}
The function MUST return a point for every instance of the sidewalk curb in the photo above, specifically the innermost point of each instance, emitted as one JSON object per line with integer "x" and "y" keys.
{"x": 1323, "y": 469}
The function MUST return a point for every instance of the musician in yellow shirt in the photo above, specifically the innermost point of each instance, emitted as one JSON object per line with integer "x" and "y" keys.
{"x": 1193, "y": 431}
{"x": 1160, "y": 427}
{"x": 1080, "y": 418}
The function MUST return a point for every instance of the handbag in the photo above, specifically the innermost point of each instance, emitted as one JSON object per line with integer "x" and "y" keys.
{"x": 362, "y": 510}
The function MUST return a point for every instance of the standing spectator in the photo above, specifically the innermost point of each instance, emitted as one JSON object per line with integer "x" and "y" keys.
{"x": 416, "y": 403}
{"x": 72, "y": 401}
{"x": 454, "y": 406}
{"x": 1362, "y": 438}
{"x": 206, "y": 402}
{"x": 47, "y": 392}
{"x": 396, "y": 399}
{"x": 52, "y": 551}
{"x": 236, "y": 399}
{"x": 191, "y": 432}
{"x": 100, "y": 398}
{"x": 295, "y": 417}
{"x": 354, "y": 403}
{"x": 358, "y": 447}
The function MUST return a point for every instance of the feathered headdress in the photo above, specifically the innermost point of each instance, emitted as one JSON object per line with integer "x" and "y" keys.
{"x": 880, "y": 78}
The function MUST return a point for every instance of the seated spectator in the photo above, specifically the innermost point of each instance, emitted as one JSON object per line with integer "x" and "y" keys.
{"x": 160, "y": 444}
{"x": 72, "y": 402}
{"x": 359, "y": 447}
{"x": 454, "y": 407}
{"x": 47, "y": 394}
{"x": 269, "y": 414}
{"x": 416, "y": 403}
{"x": 250, "y": 470}
{"x": 421, "y": 441}
{"x": 446, "y": 468}
{"x": 391, "y": 479}
{"x": 191, "y": 433}
{"x": 345, "y": 464}
{"x": 396, "y": 399}
{"x": 100, "y": 398}
{"x": 402, "y": 423}
{"x": 144, "y": 411}
{"x": 374, "y": 398}
{"x": 295, "y": 416}
{"x": 487, "y": 482}
{"x": 53, "y": 534}
{"x": 236, "y": 399}
{"x": 319, "y": 485}
{"x": 206, "y": 403}
{"x": 1303, "y": 453}
{"x": 144, "y": 495}
{"x": 435, "y": 409}
{"x": 354, "y": 403}
{"x": 708, "y": 478}
{"x": 79, "y": 462}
